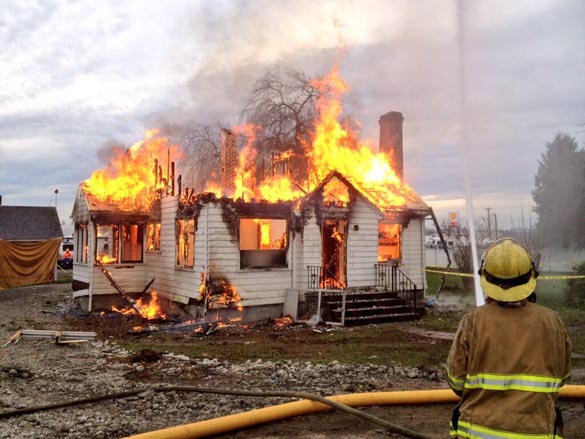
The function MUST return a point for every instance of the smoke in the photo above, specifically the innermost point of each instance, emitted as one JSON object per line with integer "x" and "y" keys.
{"x": 107, "y": 151}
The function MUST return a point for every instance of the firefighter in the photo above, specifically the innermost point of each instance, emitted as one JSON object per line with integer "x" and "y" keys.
{"x": 509, "y": 357}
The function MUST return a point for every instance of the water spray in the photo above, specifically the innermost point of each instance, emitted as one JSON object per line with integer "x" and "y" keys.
{"x": 479, "y": 300}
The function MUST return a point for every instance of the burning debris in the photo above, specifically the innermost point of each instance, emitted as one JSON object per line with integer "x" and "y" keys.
{"x": 149, "y": 308}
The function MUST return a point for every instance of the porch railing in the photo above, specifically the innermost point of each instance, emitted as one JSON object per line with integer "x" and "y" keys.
{"x": 392, "y": 278}
{"x": 314, "y": 276}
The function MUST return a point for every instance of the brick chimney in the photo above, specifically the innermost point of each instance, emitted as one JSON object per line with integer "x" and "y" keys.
{"x": 229, "y": 162}
{"x": 391, "y": 140}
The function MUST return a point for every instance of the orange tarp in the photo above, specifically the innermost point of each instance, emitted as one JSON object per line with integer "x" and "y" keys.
{"x": 27, "y": 262}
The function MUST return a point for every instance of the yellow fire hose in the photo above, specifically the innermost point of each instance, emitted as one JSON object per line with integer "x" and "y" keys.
{"x": 282, "y": 411}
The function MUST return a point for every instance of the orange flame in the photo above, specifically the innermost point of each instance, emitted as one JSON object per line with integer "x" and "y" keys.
{"x": 105, "y": 259}
{"x": 246, "y": 178}
{"x": 149, "y": 309}
{"x": 333, "y": 147}
{"x": 129, "y": 180}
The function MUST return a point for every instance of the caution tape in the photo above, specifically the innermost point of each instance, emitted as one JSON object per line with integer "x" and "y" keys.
{"x": 452, "y": 273}
{"x": 551, "y": 277}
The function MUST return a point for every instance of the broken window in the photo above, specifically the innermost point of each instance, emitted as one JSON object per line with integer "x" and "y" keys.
{"x": 119, "y": 243}
{"x": 389, "y": 242}
{"x": 107, "y": 243}
{"x": 153, "y": 237}
{"x": 185, "y": 243}
{"x": 82, "y": 242}
{"x": 263, "y": 243}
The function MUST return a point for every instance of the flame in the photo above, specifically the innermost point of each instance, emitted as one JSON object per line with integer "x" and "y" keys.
{"x": 149, "y": 309}
{"x": 245, "y": 172}
{"x": 336, "y": 147}
{"x": 283, "y": 321}
{"x": 105, "y": 259}
{"x": 333, "y": 147}
{"x": 130, "y": 179}
{"x": 219, "y": 292}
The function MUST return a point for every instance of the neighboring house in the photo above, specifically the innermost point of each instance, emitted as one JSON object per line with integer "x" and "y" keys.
{"x": 30, "y": 238}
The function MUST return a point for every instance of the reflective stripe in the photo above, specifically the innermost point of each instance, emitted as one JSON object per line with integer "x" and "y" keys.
{"x": 474, "y": 431}
{"x": 527, "y": 383}
{"x": 454, "y": 382}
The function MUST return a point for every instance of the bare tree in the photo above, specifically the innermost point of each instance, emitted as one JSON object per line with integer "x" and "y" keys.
{"x": 282, "y": 102}
{"x": 202, "y": 149}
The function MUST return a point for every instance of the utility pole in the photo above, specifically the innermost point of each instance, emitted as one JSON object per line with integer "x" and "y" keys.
{"x": 496, "y": 225}
{"x": 489, "y": 222}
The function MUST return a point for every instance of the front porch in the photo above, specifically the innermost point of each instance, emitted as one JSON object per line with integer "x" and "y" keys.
{"x": 393, "y": 297}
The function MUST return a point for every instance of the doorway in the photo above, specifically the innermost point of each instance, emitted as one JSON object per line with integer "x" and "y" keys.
{"x": 334, "y": 253}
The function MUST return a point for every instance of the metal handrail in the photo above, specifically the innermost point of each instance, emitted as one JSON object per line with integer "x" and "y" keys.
{"x": 390, "y": 276}
{"x": 314, "y": 276}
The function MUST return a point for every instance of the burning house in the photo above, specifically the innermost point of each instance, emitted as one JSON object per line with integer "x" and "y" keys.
{"x": 352, "y": 233}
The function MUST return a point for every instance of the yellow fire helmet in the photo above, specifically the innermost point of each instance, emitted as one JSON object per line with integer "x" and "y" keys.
{"x": 507, "y": 273}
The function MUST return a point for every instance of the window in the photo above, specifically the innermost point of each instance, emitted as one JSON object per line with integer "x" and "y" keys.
{"x": 107, "y": 243}
{"x": 263, "y": 243}
{"x": 153, "y": 237}
{"x": 82, "y": 242}
{"x": 185, "y": 243}
{"x": 389, "y": 241}
{"x": 119, "y": 243}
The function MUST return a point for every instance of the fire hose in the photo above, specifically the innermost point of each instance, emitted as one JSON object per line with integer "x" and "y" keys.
{"x": 309, "y": 404}
{"x": 286, "y": 394}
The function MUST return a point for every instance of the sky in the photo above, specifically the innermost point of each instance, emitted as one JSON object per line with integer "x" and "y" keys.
{"x": 483, "y": 85}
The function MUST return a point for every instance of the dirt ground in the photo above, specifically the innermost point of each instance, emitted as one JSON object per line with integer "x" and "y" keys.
{"x": 36, "y": 372}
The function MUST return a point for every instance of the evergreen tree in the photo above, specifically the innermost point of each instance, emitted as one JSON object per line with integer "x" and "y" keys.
{"x": 559, "y": 194}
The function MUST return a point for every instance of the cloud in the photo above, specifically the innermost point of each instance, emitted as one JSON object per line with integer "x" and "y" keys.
{"x": 76, "y": 76}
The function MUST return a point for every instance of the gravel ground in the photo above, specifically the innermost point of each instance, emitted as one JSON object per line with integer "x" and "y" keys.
{"x": 38, "y": 372}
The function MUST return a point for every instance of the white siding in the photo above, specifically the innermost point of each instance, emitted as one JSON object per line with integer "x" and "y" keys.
{"x": 128, "y": 277}
{"x": 362, "y": 244}
{"x": 170, "y": 281}
{"x": 311, "y": 241}
{"x": 413, "y": 260}
{"x": 255, "y": 287}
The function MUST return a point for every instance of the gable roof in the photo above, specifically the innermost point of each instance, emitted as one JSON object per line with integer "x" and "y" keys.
{"x": 413, "y": 202}
{"x": 27, "y": 223}
{"x": 348, "y": 184}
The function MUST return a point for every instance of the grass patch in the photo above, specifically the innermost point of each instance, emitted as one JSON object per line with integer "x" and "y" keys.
{"x": 376, "y": 344}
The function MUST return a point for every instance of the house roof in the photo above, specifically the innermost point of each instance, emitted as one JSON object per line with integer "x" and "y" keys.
{"x": 27, "y": 223}
{"x": 413, "y": 202}
{"x": 94, "y": 205}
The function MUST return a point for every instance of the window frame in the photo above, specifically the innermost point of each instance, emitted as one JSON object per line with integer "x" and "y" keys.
{"x": 254, "y": 254}
{"x": 119, "y": 241}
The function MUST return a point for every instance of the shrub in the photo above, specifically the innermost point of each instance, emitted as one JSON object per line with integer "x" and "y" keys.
{"x": 575, "y": 289}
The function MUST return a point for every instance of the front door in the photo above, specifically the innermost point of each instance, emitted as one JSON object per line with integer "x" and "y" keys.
{"x": 334, "y": 253}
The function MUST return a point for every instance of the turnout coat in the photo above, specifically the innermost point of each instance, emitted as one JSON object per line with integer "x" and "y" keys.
{"x": 508, "y": 364}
